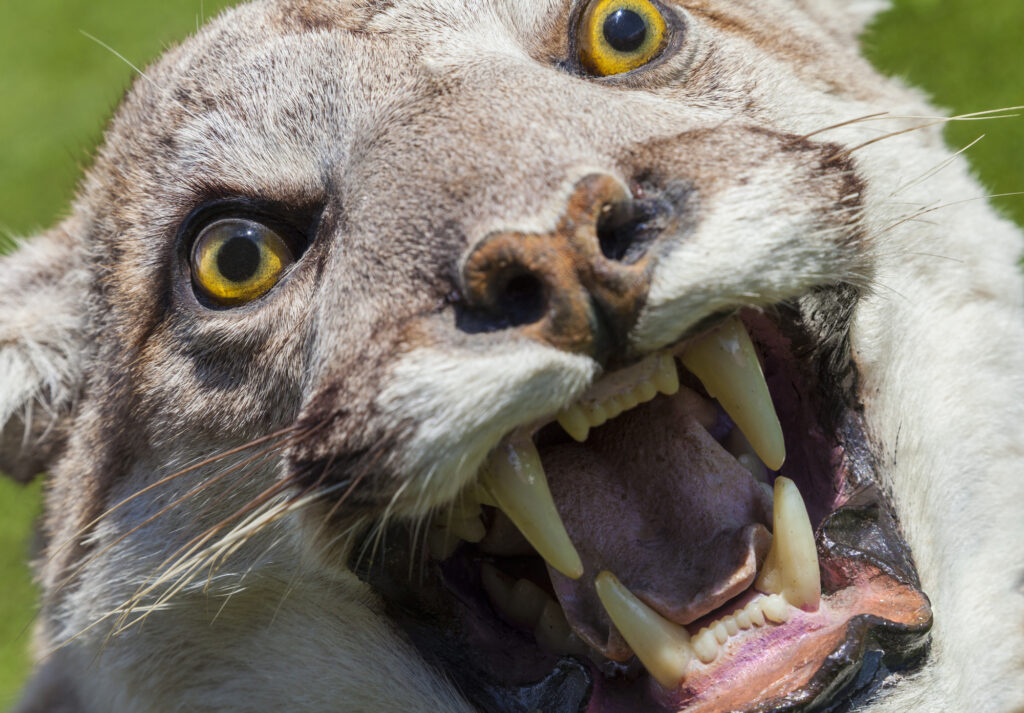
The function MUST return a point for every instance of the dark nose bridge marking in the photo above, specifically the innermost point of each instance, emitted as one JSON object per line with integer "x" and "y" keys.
{"x": 590, "y": 301}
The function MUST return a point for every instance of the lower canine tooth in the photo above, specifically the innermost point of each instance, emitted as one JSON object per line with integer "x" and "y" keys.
{"x": 514, "y": 479}
{"x": 663, "y": 647}
{"x": 791, "y": 567}
{"x": 727, "y": 365}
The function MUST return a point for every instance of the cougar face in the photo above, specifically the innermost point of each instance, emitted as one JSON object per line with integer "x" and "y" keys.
{"x": 513, "y": 356}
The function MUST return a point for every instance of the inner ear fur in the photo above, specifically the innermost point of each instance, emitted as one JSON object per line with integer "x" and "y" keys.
{"x": 43, "y": 296}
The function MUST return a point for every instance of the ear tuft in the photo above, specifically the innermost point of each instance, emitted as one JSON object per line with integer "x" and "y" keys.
{"x": 43, "y": 287}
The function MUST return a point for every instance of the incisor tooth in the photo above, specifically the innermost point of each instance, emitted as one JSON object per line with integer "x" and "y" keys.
{"x": 596, "y": 414}
{"x": 718, "y": 629}
{"x": 442, "y": 543}
{"x": 514, "y": 479}
{"x": 613, "y": 407}
{"x": 575, "y": 423}
{"x": 662, "y": 646}
{"x": 730, "y": 625}
{"x": 727, "y": 365}
{"x": 666, "y": 378}
{"x": 791, "y": 567}
{"x": 647, "y": 391}
{"x": 755, "y": 612}
{"x": 705, "y": 646}
{"x": 775, "y": 609}
{"x": 470, "y": 529}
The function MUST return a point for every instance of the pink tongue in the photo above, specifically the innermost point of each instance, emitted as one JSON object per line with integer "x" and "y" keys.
{"x": 653, "y": 498}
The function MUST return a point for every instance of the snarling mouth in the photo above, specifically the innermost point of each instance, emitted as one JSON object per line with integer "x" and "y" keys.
{"x": 701, "y": 531}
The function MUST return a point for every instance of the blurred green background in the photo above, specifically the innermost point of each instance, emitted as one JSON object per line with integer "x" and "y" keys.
{"x": 58, "y": 87}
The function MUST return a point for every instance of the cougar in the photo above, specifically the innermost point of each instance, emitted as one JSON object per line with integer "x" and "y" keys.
{"x": 510, "y": 356}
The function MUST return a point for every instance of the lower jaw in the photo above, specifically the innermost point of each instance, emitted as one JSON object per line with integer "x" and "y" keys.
{"x": 872, "y": 615}
{"x": 872, "y": 621}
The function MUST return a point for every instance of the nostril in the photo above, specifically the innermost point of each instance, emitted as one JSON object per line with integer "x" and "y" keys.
{"x": 625, "y": 229}
{"x": 522, "y": 299}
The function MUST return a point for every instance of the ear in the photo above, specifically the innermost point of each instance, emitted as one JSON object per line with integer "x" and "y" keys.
{"x": 846, "y": 17}
{"x": 43, "y": 294}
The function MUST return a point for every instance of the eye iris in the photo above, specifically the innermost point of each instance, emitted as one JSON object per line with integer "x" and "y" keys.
{"x": 618, "y": 36}
{"x": 625, "y": 31}
{"x": 235, "y": 261}
{"x": 238, "y": 259}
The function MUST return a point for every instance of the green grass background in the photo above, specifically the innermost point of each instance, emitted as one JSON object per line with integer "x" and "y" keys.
{"x": 58, "y": 87}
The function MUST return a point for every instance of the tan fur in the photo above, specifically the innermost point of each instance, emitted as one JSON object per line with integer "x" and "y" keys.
{"x": 420, "y": 127}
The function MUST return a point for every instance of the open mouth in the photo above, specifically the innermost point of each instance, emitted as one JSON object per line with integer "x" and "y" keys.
{"x": 701, "y": 531}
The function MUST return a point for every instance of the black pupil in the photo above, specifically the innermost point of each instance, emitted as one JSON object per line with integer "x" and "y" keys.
{"x": 625, "y": 30}
{"x": 238, "y": 259}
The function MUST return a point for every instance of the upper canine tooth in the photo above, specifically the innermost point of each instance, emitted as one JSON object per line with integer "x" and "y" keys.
{"x": 791, "y": 567}
{"x": 575, "y": 423}
{"x": 727, "y": 365}
{"x": 662, "y": 646}
{"x": 514, "y": 479}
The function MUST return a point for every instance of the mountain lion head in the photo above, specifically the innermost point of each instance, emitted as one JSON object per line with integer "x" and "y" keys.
{"x": 511, "y": 356}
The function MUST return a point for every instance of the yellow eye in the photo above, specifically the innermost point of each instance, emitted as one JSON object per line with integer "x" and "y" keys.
{"x": 234, "y": 261}
{"x": 617, "y": 36}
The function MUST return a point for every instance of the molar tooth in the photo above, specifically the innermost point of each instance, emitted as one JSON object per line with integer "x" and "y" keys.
{"x": 727, "y": 365}
{"x": 775, "y": 609}
{"x": 662, "y": 646}
{"x": 514, "y": 478}
{"x": 666, "y": 378}
{"x": 498, "y": 586}
{"x": 705, "y": 646}
{"x": 791, "y": 567}
{"x": 553, "y": 632}
{"x": 575, "y": 423}
{"x": 526, "y": 603}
